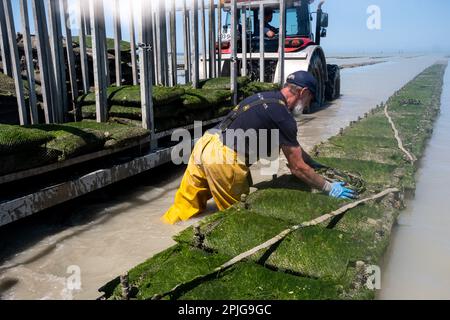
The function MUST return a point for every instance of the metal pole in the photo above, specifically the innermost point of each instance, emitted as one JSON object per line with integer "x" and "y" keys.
{"x": 187, "y": 50}
{"x": 234, "y": 61}
{"x": 195, "y": 53}
{"x": 212, "y": 39}
{"x": 219, "y": 38}
{"x": 86, "y": 17}
{"x": 82, "y": 39}
{"x": 282, "y": 37}
{"x": 58, "y": 60}
{"x": 205, "y": 50}
{"x": 4, "y": 44}
{"x": 133, "y": 46}
{"x": 45, "y": 64}
{"x": 173, "y": 43}
{"x": 23, "y": 116}
{"x": 70, "y": 57}
{"x": 261, "y": 43}
{"x": 104, "y": 44}
{"x": 145, "y": 60}
{"x": 117, "y": 43}
{"x": 96, "y": 8}
{"x": 244, "y": 40}
{"x": 29, "y": 59}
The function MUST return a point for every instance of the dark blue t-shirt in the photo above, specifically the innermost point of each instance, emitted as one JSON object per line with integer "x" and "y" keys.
{"x": 270, "y": 116}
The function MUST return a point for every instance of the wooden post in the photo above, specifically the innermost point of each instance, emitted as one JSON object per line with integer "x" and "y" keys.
{"x": 133, "y": 46}
{"x": 145, "y": 60}
{"x": 212, "y": 39}
{"x": 29, "y": 59}
{"x": 261, "y": 43}
{"x": 195, "y": 51}
{"x": 96, "y": 9}
{"x": 70, "y": 58}
{"x": 60, "y": 107}
{"x": 4, "y": 44}
{"x": 187, "y": 49}
{"x": 44, "y": 59}
{"x": 244, "y": 40}
{"x": 282, "y": 37}
{"x": 173, "y": 43}
{"x": 203, "y": 26}
{"x": 219, "y": 38}
{"x": 234, "y": 60}
{"x": 117, "y": 43}
{"x": 14, "y": 52}
{"x": 82, "y": 38}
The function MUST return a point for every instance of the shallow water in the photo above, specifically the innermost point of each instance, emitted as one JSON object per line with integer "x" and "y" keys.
{"x": 418, "y": 262}
{"x": 108, "y": 232}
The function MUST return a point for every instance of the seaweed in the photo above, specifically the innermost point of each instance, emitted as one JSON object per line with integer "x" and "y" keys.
{"x": 204, "y": 98}
{"x": 15, "y": 138}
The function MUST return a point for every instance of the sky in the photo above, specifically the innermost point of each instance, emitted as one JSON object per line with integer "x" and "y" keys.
{"x": 404, "y": 25}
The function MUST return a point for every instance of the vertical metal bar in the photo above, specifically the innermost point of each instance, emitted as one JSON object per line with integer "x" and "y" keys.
{"x": 29, "y": 59}
{"x": 45, "y": 64}
{"x": 96, "y": 8}
{"x": 234, "y": 60}
{"x": 133, "y": 46}
{"x": 160, "y": 41}
{"x": 86, "y": 17}
{"x": 145, "y": 60}
{"x": 155, "y": 44}
{"x": 219, "y": 37}
{"x": 212, "y": 39}
{"x": 261, "y": 43}
{"x": 187, "y": 50}
{"x": 117, "y": 43}
{"x": 4, "y": 44}
{"x": 104, "y": 43}
{"x": 82, "y": 38}
{"x": 195, "y": 51}
{"x": 244, "y": 40}
{"x": 70, "y": 57}
{"x": 282, "y": 37}
{"x": 173, "y": 43}
{"x": 203, "y": 26}
{"x": 16, "y": 74}
{"x": 58, "y": 59}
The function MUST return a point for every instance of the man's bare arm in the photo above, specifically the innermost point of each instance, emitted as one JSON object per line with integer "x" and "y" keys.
{"x": 301, "y": 169}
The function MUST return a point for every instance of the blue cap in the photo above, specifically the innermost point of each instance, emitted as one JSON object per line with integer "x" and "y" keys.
{"x": 303, "y": 79}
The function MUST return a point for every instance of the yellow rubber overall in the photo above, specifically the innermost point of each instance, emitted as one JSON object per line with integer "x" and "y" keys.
{"x": 213, "y": 171}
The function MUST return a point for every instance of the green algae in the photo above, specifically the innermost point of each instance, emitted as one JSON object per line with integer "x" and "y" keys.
{"x": 251, "y": 281}
{"x": 167, "y": 269}
{"x": 15, "y": 139}
{"x": 194, "y": 99}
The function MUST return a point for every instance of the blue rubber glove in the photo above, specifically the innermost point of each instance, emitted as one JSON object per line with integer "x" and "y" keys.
{"x": 337, "y": 190}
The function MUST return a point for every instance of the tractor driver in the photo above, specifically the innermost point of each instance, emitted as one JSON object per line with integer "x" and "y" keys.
{"x": 269, "y": 31}
{"x": 215, "y": 169}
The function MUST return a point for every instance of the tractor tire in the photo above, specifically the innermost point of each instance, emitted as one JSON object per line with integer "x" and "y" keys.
{"x": 317, "y": 69}
{"x": 333, "y": 87}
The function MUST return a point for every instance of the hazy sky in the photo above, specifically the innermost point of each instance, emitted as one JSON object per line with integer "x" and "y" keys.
{"x": 406, "y": 25}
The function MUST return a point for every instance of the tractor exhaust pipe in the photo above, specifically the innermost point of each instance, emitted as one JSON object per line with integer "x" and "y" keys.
{"x": 318, "y": 21}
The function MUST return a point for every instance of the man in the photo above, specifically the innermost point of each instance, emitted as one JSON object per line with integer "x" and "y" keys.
{"x": 216, "y": 169}
{"x": 269, "y": 31}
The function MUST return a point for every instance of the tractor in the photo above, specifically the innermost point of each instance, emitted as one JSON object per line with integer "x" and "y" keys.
{"x": 302, "y": 46}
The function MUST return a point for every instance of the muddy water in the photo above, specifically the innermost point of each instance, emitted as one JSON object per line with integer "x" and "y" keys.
{"x": 108, "y": 232}
{"x": 418, "y": 262}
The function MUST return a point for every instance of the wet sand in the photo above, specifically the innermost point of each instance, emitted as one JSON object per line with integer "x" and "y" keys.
{"x": 417, "y": 265}
{"x": 110, "y": 231}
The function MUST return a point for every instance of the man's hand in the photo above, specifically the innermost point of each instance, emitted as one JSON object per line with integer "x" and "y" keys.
{"x": 337, "y": 190}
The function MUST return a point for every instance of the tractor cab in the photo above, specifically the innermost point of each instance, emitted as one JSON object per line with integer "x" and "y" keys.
{"x": 298, "y": 27}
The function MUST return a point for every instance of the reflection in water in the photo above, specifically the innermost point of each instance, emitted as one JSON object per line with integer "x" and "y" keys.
{"x": 418, "y": 262}
{"x": 110, "y": 231}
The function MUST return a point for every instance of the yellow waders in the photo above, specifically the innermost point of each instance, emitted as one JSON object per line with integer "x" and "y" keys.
{"x": 214, "y": 170}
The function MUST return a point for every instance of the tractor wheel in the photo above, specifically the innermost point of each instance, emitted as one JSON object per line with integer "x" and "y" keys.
{"x": 333, "y": 87}
{"x": 317, "y": 69}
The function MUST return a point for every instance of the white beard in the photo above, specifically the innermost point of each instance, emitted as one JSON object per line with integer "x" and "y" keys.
{"x": 298, "y": 110}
